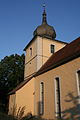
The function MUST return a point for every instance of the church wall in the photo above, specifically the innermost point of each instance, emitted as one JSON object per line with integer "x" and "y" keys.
{"x": 30, "y": 59}
{"x": 68, "y": 89}
{"x": 25, "y": 97}
{"x": 30, "y": 68}
{"x": 47, "y": 43}
{"x": 40, "y": 54}
{"x": 12, "y": 101}
{"x": 44, "y": 50}
{"x": 34, "y": 51}
{"x": 34, "y": 62}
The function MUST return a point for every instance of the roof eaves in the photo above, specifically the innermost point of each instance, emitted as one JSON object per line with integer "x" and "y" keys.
{"x": 65, "y": 60}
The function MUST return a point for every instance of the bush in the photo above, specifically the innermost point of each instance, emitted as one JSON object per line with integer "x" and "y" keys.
{"x": 4, "y": 116}
{"x": 29, "y": 116}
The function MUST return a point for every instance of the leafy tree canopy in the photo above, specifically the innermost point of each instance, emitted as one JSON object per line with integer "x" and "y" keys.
{"x": 11, "y": 71}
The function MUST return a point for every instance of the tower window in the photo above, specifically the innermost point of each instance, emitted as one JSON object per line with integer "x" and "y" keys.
{"x": 30, "y": 51}
{"x": 41, "y": 98}
{"x": 52, "y": 48}
{"x": 57, "y": 97}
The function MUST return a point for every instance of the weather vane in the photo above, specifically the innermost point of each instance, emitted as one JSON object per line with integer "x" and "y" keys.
{"x": 44, "y": 5}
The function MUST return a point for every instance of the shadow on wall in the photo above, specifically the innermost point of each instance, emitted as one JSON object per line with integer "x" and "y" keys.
{"x": 74, "y": 112}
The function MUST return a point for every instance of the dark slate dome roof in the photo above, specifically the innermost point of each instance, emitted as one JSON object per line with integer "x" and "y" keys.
{"x": 45, "y": 30}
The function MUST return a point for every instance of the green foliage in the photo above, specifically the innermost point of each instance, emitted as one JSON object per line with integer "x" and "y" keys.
{"x": 4, "y": 116}
{"x": 11, "y": 71}
{"x": 11, "y": 74}
{"x": 32, "y": 118}
{"x": 18, "y": 113}
{"x": 19, "y": 116}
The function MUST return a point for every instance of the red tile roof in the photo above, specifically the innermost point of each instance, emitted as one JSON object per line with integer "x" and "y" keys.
{"x": 69, "y": 52}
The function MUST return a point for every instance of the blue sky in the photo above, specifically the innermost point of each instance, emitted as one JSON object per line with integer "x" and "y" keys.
{"x": 19, "y": 18}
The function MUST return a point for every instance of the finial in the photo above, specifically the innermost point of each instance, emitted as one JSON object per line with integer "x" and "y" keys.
{"x": 44, "y": 6}
{"x": 44, "y": 21}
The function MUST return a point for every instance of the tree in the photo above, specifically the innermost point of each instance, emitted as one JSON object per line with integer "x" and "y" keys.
{"x": 11, "y": 74}
{"x": 11, "y": 71}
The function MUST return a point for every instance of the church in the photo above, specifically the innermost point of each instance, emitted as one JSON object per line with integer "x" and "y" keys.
{"x": 51, "y": 86}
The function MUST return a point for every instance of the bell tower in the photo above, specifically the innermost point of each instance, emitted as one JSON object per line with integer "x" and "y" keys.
{"x": 41, "y": 47}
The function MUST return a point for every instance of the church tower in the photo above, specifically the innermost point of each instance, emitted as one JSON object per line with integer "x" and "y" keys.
{"x": 41, "y": 47}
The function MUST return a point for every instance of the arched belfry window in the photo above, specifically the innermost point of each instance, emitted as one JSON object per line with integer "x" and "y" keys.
{"x": 41, "y": 98}
{"x": 57, "y": 97}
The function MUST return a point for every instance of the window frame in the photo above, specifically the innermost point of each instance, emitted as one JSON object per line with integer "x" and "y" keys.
{"x": 52, "y": 48}
{"x": 57, "y": 107}
{"x": 41, "y": 103}
{"x": 78, "y": 84}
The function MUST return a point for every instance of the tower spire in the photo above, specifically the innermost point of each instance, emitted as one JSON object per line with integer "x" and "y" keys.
{"x": 44, "y": 20}
{"x": 45, "y": 30}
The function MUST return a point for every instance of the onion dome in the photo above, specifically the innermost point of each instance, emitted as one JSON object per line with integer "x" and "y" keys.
{"x": 45, "y": 30}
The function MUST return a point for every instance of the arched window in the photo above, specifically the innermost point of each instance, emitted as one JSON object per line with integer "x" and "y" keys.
{"x": 78, "y": 81}
{"x": 57, "y": 97}
{"x": 41, "y": 98}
